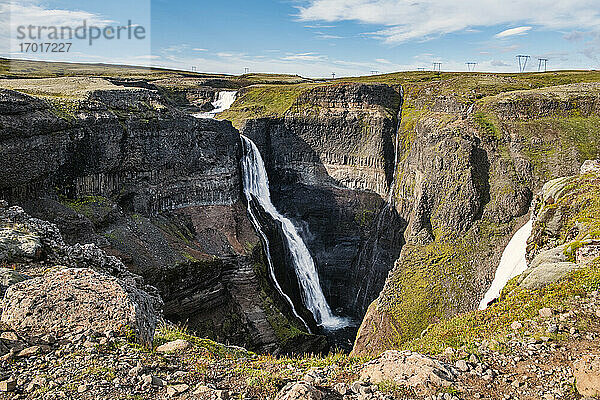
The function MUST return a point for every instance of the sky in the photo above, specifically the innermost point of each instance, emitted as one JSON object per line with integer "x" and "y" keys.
{"x": 316, "y": 38}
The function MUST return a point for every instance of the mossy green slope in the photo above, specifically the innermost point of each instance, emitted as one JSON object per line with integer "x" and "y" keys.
{"x": 260, "y": 101}
{"x": 580, "y": 207}
{"x": 528, "y": 136}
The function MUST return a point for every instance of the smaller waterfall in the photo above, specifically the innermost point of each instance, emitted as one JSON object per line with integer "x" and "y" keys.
{"x": 224, "y": 100}
{"x": 512, "y": 263}
{"x": 256, "y": 186}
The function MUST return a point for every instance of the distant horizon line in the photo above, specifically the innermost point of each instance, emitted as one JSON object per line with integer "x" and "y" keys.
{"x": 155, "y": 67}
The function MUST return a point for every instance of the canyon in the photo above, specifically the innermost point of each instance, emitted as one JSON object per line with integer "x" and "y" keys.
{"x": 404, "y": 188}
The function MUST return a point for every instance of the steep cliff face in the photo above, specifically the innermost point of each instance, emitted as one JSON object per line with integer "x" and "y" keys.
{"x": 562, "y": 274}
{"x": 330, "y": 160}
{"x": 122, "y": 168}
{"x": 150, "y": 156}
{"x": 464, "y": 183}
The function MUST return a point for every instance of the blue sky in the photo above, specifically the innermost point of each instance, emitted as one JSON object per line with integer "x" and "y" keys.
{"x": 317, "y": 37}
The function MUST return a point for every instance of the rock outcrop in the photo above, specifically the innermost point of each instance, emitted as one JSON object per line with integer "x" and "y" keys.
{"x": 549, "y": 266}
{"x": 72, "y": 299}
{"x": 409, "y": 369}
{"x": 299, "y": 391}
{"x": 72, "y": 287}
{"x": 587, "y": 375}
{"x": 564, "y": 235}
{"x": 51, "y": 250}
{"x": 15, "y": 244}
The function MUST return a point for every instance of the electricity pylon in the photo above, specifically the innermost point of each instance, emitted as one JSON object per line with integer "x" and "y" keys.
{"x": 522, "y": 62}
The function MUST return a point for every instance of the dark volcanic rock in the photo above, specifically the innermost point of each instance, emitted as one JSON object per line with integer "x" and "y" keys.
{"x": 150, "y": 157}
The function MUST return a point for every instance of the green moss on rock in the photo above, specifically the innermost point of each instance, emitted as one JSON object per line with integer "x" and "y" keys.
{"x": 428, "y": 282}
{"x": 262, "y": 101}
{"x": 515, "y": 305}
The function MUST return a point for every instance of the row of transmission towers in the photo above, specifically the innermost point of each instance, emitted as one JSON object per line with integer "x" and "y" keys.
{"x": 437, "y": 66}
{"x": 523, "y": 59}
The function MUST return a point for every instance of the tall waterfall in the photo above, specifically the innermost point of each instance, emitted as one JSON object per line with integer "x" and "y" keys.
{"x": 512, "y": 263}
{"x": 256, "y": 186}
{"x": 224, "y": 100}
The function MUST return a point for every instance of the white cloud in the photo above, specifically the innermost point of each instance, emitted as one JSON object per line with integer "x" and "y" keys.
{"x": 25, "y": 21}
{"x": 322, "y": 35}
{"x": 176, "y": 48}
{"x": 13, "y": 14}
{"x": 319, "y": 26}
{"x": 409, "y": 20}
{"x": 574, "y": 36}
{"x": 513, "y": 31}
{"x": 305, "y": 57}
{"x": 230, "y": 55}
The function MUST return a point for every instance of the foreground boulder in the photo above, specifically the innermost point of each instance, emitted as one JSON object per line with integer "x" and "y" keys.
{"x": 587, "y": 375}
{"x": 173, "y": 346}
{"x": 408, "y": 368}
{"x": 33, "y": 246}
{"x": 31, "y": 241}
{"x": 73, "y": 298}
{"x": 299, "y": 391}
{"x": 590, "y": 166}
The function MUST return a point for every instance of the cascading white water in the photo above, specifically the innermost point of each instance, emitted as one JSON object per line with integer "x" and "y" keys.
{"x": 512, "y": 263}
{"x": 224, "y": 100}
{"x": 256, "y": 186}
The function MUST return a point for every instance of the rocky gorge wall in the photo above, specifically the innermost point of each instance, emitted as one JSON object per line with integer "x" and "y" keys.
{"x": 125, "y": 169}
{"x": 157, "y": 161}
{"x": 465, "y": 180}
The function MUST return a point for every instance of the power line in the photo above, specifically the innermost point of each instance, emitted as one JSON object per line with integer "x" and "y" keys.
{"x": 471, "y": 66}
{"x": 522, "y": 62}
{"x": 374, "y": 72}
{"x": 333, "y": 75}
{"x": 437, "y": 67}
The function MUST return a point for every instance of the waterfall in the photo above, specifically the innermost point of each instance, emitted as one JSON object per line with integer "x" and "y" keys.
{"x": 256, "y": 186}
{"x": 512, "y": 263}
{"x": 224, "y": 100}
